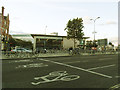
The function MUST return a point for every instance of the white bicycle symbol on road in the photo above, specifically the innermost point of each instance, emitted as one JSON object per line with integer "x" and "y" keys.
{"x": 55, "y": 76}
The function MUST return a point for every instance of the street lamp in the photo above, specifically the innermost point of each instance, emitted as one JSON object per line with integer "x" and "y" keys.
{"x": 94, "y": 33}
{"x": 94, "y": 27}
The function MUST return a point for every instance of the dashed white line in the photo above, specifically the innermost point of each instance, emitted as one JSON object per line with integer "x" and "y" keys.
{"x": 102, "y": 67}
{"x": 77, "y": 68}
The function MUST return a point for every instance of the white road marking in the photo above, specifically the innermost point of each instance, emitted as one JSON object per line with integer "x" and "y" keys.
{"x": 17, "y": 61}
{"x": 76, "y": 61}
{"x": 102, "y": 67}
{"x": 77, "y": 68}
{"x": 115, "y": 87}
{"x": 104, "y": 59}
{"x": 32, "y": 65}
{"x": 117, "y": 76}
{"x": 55, "y": 76}
{"x": 73, "y": 62}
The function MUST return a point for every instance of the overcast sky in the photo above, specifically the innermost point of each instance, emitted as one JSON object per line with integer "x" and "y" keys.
{"x": 32, "y": 16}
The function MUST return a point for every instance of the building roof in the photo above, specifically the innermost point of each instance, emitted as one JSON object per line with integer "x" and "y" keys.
{"x": 45, "y": 35}
{"x": 52, "y": 35}
{"x": 21, "y": 35}
{"x": 26, "y": 37}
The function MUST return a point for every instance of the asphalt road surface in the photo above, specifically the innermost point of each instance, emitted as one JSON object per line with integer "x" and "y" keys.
{"x": 95, "y": 71}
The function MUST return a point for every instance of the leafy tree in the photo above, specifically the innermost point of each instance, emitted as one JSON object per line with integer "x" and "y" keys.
{"x": 89, "y": 44}
{"x": 110, "y": 43}
{"x": 94, "y": 44}
{"x": 74, "y": 29}
{"x": 12, "y": 41}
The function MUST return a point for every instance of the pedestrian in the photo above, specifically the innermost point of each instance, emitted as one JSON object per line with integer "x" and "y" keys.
{"x": 70, "y": 50}
{"x": 45, "y": 50}
{"x": 102, "y": 49}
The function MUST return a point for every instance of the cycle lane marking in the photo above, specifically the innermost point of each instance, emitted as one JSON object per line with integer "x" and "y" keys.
{"x": 63, "y": 64}
{"x": 101, "y": 67}
{"x": 55, "y": 76}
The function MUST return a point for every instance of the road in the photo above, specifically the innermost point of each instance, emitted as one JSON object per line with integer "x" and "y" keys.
{"x": 95, "y": 71}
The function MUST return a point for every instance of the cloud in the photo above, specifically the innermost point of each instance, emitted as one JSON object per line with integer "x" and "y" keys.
{"x": 83, "y": 0}
{"x": 58, "y": 1}
{"x": 86, "y": 20}
{"x": 21, "y": 1}
{"x": 109, "y": 23}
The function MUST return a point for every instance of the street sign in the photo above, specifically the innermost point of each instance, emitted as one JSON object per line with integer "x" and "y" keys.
{"x": 102, "y": 42}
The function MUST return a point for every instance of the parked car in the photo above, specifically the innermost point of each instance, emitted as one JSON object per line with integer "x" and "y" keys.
{"x": 21, "y": 50}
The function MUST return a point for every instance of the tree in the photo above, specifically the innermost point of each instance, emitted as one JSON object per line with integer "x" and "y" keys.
{"x": 74, "y": 29}
{"x": 89, "y": 44}
{"x": 12, "y": 41}
{"x": 110, "y": 43}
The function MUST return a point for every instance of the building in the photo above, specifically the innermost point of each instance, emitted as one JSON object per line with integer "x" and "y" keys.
{"x": 24, "y": 37}
{"x": 54, "y": 42}
{"x": 4, "y": 30}
{"x": 0, "y": 22}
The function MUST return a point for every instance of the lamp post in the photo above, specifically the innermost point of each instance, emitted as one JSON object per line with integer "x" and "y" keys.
{"x": 94, "y": 27}
{"x": 94, "y": 33}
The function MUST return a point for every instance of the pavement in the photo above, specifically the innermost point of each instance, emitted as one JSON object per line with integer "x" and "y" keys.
{"x": 42, "y": 55}
{"x": 36, "y": 55}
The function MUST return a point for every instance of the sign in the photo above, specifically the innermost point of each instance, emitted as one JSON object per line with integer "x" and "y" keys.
{"x": 102, "y": 42}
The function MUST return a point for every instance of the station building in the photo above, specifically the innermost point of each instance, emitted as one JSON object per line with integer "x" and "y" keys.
{"x": 55, "y": 42}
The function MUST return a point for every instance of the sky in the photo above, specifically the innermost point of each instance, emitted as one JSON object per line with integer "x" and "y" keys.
{"x": 47, "y": 16}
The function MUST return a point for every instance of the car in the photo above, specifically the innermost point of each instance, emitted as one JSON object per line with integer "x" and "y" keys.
{"x": 20, "y": 50}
